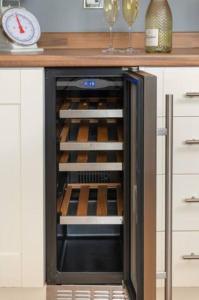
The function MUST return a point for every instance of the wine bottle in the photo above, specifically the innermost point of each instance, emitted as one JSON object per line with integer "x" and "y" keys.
{"x": 158, "y": 27}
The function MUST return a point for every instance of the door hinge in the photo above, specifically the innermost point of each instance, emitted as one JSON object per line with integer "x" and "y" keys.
{"x": 132, "y": 69}
{"x": 162, "y": 131}
{"x": 161, "y": 275}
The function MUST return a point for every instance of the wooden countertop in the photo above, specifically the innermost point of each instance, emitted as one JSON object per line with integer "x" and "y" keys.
{"x": 95, "y": 58}
{"x": 59, "y": 52}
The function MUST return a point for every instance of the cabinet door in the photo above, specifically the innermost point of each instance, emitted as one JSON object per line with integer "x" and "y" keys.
{"x": 32, "y": 169}
{"x": 10, "y": 197}
{"x": 10, "y": 86}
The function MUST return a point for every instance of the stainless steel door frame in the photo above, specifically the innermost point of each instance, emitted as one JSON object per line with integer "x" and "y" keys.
{"x": 142, "y": 87}
{"x": 150, "y": 100}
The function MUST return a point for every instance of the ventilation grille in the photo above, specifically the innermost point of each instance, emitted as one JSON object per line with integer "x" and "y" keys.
{"x": 86, "y": 293}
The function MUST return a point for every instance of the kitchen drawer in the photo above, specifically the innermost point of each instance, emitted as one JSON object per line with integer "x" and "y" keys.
{"x": 186, "y": 156}
{"x": 160, "y": 202}
{"x": 9, "y": 86}
{"x": 185, "y": 270}
{"x": 160, "y": 147}
{"x": 186, "y": 214}
{"x": 179, "y": 82}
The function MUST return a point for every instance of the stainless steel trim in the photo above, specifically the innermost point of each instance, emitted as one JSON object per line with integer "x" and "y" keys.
{"x": 192, "y": 95}
{"x": 91, "y": 146}
{"x": 161, "y": 275}
{"x": 192, "y": 142}
{"x": 192, "y": 200}
{"x": 71, "y": 167}
{"x": 91, "y": 113}
{"x": 192, "y": 256}
{"x": 168, "y": 196}
{"x": 92, "y": 292}
{"x": 93, "y": 220}
{"x": 149, "y": 185}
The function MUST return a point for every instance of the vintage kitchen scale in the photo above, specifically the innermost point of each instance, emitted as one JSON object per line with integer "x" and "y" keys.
{"x": 20, "y": 29}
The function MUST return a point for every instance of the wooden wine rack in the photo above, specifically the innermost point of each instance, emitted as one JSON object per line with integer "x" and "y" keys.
{"x": 79, "y": 206}
{"x": 109, "y": 107}
{"x": 92, "y": 136}
{"x": 82, "y": 161}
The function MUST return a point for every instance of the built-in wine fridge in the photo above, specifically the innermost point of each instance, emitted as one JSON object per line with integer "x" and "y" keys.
{"x": 100, "y": 184}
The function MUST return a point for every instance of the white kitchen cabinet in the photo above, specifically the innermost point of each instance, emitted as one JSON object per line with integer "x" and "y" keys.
{"x": 180, "y": 82}
{"x": 160, "y": 147}
{"x": 32, "y": 170}
{"x": 186, "y": 202}
{"x": 160, "y": 237}
{"x": 22, "y": 178}
{"x": 10, "y": 86}
{"x": 160, "y": 203}
{"x": 186, "y": 156}
{"x": 185, "y": 269}
{"x": 10, "y": 196}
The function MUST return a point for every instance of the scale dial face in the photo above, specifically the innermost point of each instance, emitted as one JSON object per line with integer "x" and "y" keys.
{"x": 21, "y": 26}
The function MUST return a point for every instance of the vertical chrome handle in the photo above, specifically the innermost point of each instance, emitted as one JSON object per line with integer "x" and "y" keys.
{"x": 168, "y": 196}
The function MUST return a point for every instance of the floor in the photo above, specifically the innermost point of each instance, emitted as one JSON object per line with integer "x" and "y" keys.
{"x": 40, "y": 294}
{"x": 23, "y": 294}
{"x": 180, "y": 294}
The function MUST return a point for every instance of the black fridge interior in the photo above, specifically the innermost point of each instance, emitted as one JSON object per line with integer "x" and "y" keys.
{"x": 101, "y": 178}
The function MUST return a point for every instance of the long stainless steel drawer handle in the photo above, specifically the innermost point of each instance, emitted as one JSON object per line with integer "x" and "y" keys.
{"x": 192, "y": 256}
{"x": 192, "y": 142}
{"x": 192, "y": 95}
{"x": 168, "y": 196}
{"x": 192, "y": 200}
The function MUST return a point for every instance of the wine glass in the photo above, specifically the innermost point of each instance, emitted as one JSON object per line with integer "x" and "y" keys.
{"x": 111, "y": 9}
{"x": 130, "y": 10}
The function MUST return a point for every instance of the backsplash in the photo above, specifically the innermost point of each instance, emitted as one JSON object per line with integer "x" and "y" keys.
{"x": 69, "y": 15}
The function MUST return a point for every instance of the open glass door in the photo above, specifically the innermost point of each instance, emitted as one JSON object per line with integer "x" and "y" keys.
{"x": 140, "y": 185}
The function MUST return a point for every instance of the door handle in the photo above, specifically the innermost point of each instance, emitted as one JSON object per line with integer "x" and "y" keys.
{"x": 192, "y": 142}
{"x": 192, "y": 95}
{"x": 192, "y": 256}
{"x": 168, "y": 196}
{"x": 192, "y": 200}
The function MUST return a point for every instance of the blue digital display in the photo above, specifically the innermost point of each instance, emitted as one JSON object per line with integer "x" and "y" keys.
{"x": 89, "y": 83}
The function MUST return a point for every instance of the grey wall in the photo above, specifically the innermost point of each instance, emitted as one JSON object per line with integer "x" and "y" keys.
{"x": 69, "y": 15}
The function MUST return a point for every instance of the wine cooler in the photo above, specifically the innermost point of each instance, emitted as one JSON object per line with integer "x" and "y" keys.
{"x": 100, "y": 184}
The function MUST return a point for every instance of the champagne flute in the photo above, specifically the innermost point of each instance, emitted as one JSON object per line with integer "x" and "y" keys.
{"x": 130, "y": 10}
{"x": 111, "y": 9}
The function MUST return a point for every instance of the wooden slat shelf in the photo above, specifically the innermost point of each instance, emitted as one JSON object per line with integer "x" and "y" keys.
{"x": 91, "y": 136}
{"x": 90, "y": 161}
{"x": 91, "y": 204}
{"x": 109, "y": 107}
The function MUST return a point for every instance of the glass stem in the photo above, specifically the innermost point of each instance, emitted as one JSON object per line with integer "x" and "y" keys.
{"x": 111, "y": 37}
{"x": 130, "y": 38}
